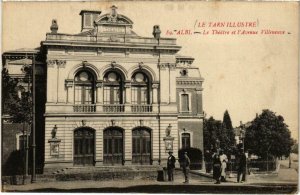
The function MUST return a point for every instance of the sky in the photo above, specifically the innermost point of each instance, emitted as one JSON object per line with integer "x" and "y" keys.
{"x": 244, "y": 73}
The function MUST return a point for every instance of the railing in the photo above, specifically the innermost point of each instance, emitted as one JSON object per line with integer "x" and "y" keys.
{"x": 84, "y": 108}
{"x": 141, "y": 108}
{"x": 114, "y": 108}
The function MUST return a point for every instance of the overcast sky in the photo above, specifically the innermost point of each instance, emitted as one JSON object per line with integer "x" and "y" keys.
{"x": 243, "y": 73}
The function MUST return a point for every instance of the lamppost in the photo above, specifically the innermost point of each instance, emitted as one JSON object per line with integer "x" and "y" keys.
{"x": 243, "y": 135}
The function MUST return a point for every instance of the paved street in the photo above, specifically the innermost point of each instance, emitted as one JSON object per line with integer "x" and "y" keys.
{"x": 283, "y": 182}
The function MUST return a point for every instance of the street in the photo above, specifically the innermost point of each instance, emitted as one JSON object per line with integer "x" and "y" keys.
{"x": 283, "y": 183}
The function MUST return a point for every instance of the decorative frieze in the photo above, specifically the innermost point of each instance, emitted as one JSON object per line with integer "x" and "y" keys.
{"x": 188, "y": 82}
{"x": 51, "y": 63}
{"x": 172, "y": 66}
{"x": 61, "y": 63}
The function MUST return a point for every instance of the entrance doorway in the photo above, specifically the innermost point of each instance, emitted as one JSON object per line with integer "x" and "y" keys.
{"x": 141, "y": 146}
{"x": 84, "y": 144}
{"x": 113, "y": 146}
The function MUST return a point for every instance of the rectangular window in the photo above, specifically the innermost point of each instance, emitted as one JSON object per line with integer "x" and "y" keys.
{"x": 186, "y": 140}
{"x": 185, "y": 103}
{"x": 22, "y": 142}
{"x": 88, "y": 20}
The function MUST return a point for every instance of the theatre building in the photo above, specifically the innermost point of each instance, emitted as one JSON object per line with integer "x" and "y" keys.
{"x": 115, "y": 98}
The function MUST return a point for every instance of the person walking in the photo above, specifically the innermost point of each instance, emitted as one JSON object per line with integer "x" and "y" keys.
{"x": 171, "y": 166}
{"x": 241, "y": 168}
{"x": 216, "y": 168}
{"x": 208, "y": 161}
{"x": 223, "y": 171}
{"x": 224, "y": 160}
{"x": 186, "y": 167}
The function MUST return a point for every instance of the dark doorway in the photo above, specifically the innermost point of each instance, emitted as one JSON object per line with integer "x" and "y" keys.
{"x": 84, "y": 144}
{"x": 141, "y": 146}
{"x": 113, "y": 146}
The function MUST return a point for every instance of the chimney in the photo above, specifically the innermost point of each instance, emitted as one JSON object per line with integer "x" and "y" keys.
{"x": 87, "y": 19}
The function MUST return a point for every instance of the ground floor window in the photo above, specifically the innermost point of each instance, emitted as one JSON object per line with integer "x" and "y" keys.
{"x": 113, "y": 146}
{"x": 141, "y": 146}
{"x": 84, "y": 144}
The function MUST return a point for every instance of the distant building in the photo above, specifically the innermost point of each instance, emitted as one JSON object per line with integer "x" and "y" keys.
{"x": 116, "y": 98}
{"x": 238, "y": 130}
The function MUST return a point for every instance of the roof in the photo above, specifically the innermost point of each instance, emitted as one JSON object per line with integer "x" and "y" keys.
{"x": 90, "y": 11}
{"x": 23, "y": 51}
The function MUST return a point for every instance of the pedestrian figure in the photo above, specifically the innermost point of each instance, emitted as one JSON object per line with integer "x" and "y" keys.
{"x": 216, "y": 168}
{"x": 241, "y": 167}
{"x": 208, "y": 161}
{"x": 223, "y": 171}
{"x": 171, "y": 166}
{"x": 186, "y": 167}
{"x": 224, "y": 160}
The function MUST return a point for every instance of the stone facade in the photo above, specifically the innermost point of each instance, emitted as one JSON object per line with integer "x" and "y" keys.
{"x": 116, "y": 98}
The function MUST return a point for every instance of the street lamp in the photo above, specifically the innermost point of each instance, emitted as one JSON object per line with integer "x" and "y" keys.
{"x": 243, "y": 135}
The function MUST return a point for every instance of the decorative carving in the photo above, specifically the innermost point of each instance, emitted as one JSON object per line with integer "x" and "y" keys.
{"x": 51, "y": 63}
{"x": 113, "y": 64}
{"x": 113, "y": 122}
{"x": 99, "y": 51}
{"x": 83, "y": 123}
{"x": 163, "y": 66}
{"x": 141, "y": 123}
{"x": 61, "y": 63}
{"x": 168, "y": 130}
{"x": 172, "y": 66}
{"x": 84, "y": 63}
{"x": 54, "y": 27}
{"x": 184, "y": 72}
{"x": 99, "y": 84}
{"x": 189, "y": 82}
{"x": 113, "y": 38}
{"x": 53, "y": 132}
{"x": 156, "y": 32}
{"x": 114, "y": 15}
{"x": 127, "y": 53}
{"x": 141, "y": 65}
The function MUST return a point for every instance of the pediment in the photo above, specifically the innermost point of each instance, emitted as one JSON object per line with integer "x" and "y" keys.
{"x": 117, "y": 19}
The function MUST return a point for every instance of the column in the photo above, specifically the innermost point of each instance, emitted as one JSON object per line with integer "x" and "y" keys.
{"x": 61, "y": 95}
{"x": 99, "y": 87}
{"x": 127, "y": 96}
{"x": 70, "y": 91}
{"x": 127, "y": 92}
{"x": 164, "y": 83}
{"x": 51, "y": 81}
{"x": 154, "y": 93}
{"x": 172, "y": 84}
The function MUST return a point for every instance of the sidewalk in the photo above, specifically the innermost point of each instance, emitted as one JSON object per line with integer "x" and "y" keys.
{"x": 284, "y": 182}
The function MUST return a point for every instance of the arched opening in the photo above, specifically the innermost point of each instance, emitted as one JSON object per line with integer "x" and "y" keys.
{"x": 141, "y": 146}
{"x": 84, "y": 87}
{"x": 113, "y": 91}
{"x": 84, "y": 146}
{"x": 113, "y": 146}
{"x": 141, "y": 92}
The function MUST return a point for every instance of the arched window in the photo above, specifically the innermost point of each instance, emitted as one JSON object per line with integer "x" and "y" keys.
{"x": 113, "y": 88}
{"x": 140, "y": 89}
{"x": 84, "y": 87}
